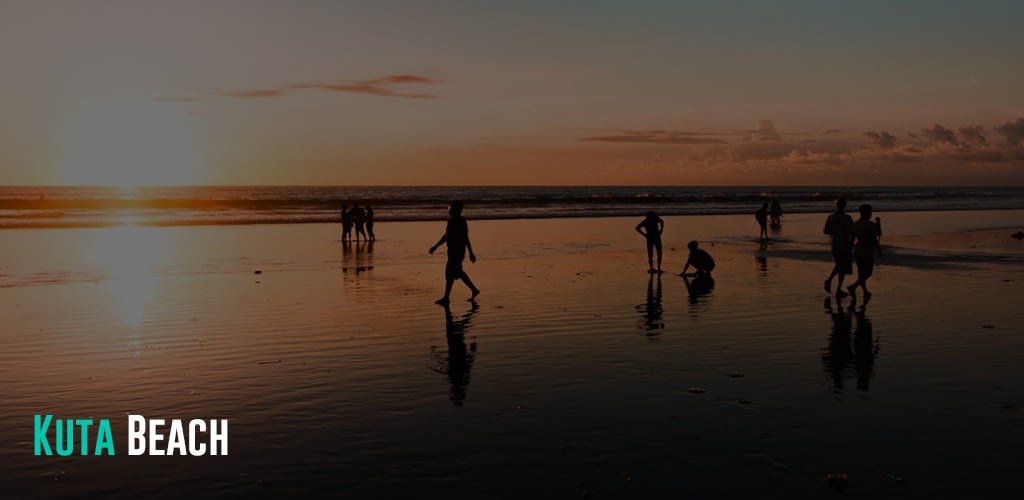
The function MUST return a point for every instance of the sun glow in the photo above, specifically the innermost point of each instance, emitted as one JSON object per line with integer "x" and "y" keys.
{"x": 129, "y": 142}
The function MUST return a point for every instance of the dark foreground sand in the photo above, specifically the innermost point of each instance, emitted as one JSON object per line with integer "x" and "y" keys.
{"x": 571, "y": 374}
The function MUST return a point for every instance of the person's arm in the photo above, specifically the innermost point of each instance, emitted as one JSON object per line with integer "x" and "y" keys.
{"x": 827, "y": 229}
{"x": 440, "y": 242}
{"x": 638, "y": 229}
{"x": 661, "y": 226}
{"x": 469, "y": 246}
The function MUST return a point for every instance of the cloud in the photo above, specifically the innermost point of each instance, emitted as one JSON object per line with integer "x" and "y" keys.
{"x": 940, "y": 134}
{"x": 766, "y": 131}
{"x": 831, "y": 131}
{"x": 398, "y": 79}
{"x": 971, "y": 135}
{"x": 1013, "y": 132}
{"x": 657, "y": 137}
{"x": 881, "y": 140}
{"x": 375, "y": 86}
{"x": 253, "y": 93}
{"x": 357, "y": 88}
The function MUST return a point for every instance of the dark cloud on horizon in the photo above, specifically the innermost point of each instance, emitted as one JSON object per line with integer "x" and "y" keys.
{"x": 657, "y": 137}
{"x": 972, "y": 135}
{"x": 940, "y": 134}
{"x": 1013, "y": 131}
{"x": 881, "y": 140}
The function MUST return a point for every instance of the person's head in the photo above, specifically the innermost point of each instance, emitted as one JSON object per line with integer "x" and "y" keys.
{"x": 840, "y": 203}
{"x": 763, "y": 205}
{"x": 455, "y": 209}
{"x": 865, "y": 211}
{"x": 692, "y": 245}
{"x": 355, "y": 204}
{"x": 650, "y": 214}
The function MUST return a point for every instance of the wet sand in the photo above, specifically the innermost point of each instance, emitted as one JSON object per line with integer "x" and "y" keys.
{"x": 570, "y": 375}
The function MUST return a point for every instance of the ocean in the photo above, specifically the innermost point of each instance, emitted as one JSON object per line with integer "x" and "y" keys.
{"x": 40, "y": 207}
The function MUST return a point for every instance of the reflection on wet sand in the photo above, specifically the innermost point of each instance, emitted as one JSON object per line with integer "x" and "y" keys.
{"x": 456, "y": 362}
{"x": 356, "y": 257}
{"x": 699, "y": 291}
{"x": 651, "y": 311}
{"x": 847, "y": 346}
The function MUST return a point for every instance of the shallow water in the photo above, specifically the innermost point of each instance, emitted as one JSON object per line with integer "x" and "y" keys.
{"x": 572, "y": 374}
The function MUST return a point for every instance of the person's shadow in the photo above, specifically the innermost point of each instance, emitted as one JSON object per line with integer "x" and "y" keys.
{"x": 848, "y": 346}
{"x": 651, "y": 310}
{"x": 456, "y": 362}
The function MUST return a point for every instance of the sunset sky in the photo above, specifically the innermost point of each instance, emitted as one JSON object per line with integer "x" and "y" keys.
{"x": 524, "y": 92}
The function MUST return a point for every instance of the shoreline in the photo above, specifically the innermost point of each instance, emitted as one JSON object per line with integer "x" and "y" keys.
{"x": 141, "y": 222}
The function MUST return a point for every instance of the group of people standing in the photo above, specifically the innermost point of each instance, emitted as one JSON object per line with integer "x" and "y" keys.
{"x": 361, "y": 219}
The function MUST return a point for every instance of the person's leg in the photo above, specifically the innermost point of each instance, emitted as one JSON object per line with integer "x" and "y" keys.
{"x": 447, "y": 291}
{"x": 650, "y": 254}
{"x": 657, "y": 246}
{"x": 469, "y": 283}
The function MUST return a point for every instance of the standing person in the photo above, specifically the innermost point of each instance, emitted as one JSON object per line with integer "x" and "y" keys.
{"x": 369, "y": 222}
{"x": 359, "y": 217}
{"x": 456, "y": 235}
{"x": 866, "y": 235}
{"x": 776, "y": 212}
{"x": 651, "y": 228}
{"x": 839, "y": 226}
{"x": 346, "y": 223}
{"x": 700, "y": 260}
{"x": 762, "y": 219}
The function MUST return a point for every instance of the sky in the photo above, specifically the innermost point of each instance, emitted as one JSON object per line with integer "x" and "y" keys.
{"x": 594, "y": 92}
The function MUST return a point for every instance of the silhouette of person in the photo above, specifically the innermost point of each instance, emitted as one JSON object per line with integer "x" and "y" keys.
{"x": 776, "y": 212}
{"x": 651, "y": 310}
{"x": 359, "y": 218}
{"x": 346, "y": 223}
{"x": 839, "y": 227}
{"x": 761, "y": 215}
{"x": 456, "y": 235}
{"x": 369, "y": 223}
{"x": 866, "y": 235}
{"x": 458, "y": 360}
{"x": 700, "y": 260}
{"x": 651, "y": 228}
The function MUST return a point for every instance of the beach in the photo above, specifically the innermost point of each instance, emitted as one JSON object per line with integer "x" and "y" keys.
{"x": 574, "y": 373}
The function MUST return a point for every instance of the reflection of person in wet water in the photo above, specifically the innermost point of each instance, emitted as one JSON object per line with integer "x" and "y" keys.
{"x": 865, "y": 349}
{"x": 456, "y": 234}
{"x": 651, "y": 228}
{"x": 701, "y": 261}
{"x": 841, "y": 354}
{"x": 458, "y": 360}
{"x": 698, "y": 287}
{"x": 651, "y": 311}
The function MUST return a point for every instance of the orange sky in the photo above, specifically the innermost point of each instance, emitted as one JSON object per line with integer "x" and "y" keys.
{"x": 653, "y": 92}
